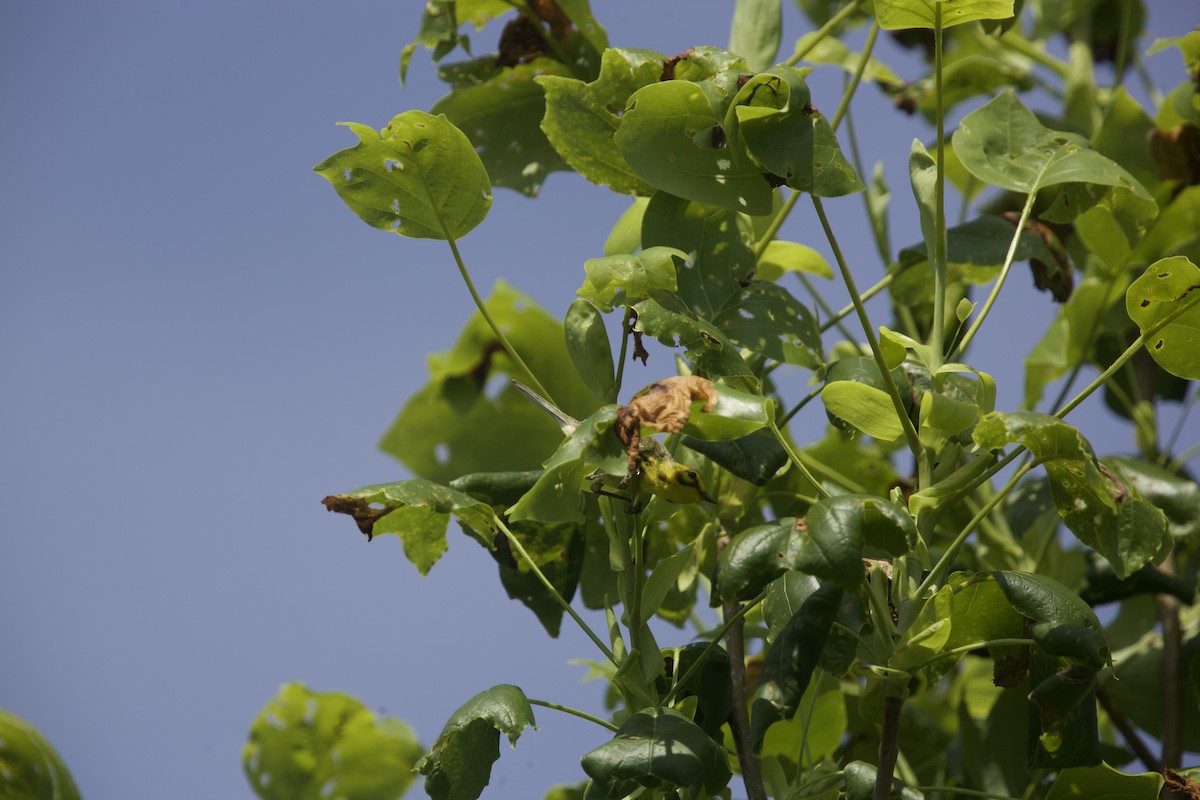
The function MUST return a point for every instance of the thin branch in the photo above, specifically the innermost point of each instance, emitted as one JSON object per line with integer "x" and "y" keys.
{"x": 575, "y": 712}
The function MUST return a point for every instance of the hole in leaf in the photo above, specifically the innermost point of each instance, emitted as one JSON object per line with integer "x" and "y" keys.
{"x": 1158, "y": 345}
{"x": 346, "y": 173}
{"x": 441, "y": 454}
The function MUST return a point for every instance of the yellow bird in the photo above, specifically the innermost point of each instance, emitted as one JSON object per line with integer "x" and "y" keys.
{"x": 658, "y": 472}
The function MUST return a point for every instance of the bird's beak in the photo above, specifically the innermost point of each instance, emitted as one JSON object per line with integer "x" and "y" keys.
{"x": 705, "y": 496}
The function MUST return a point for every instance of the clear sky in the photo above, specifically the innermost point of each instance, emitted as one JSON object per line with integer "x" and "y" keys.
{"x": 198, "y": 341}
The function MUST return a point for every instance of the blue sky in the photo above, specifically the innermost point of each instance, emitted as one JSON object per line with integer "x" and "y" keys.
{"x": 200, "y": 342}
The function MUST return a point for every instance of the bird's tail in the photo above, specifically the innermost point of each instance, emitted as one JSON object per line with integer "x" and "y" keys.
{"x": 565, "y": 421}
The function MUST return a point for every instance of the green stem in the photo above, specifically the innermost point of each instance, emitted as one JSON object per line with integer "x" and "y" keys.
{"x": 861, "y": 67}
{"x": 829, "y": 27}
{"x": 964, "y": 792}
{"x": 717, "y": 636}
{"x": 1000, "y": 279}
{"x": 575, "y": 712}
{"x": 515, "y": 543}
{"x": 808, "y": 398}
{"x": 823, "y": 306}
{"x": 966, "y": 648}
{"x": 487, "y": 317}
{"x": 626, "y": 332}
{"x": 769, "y": 234}
{"x": 910, "y": 433}
{"x": 936, "y": 575}
{"x": 1177, "y": 310}
{"x": 795, "y": 457}
{"x": 1018, "y": 44}
{"x": 938, "y": 260}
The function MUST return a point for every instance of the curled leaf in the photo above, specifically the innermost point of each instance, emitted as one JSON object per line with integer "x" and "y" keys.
{"x": 664, "y": 406}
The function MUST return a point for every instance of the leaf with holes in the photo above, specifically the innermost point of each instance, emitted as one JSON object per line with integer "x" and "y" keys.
{"x": 419, "y": 176}
{"x": 1169, "y": 286}
{"x": 624, "y": 279}
{"x": 1105, "y": 513}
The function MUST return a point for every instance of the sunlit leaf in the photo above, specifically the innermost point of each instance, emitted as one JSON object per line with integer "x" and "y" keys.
{"x": 1163, "y": 289}
{"x": 866, "y": 408}
{"x": 668, "y": 319}
{"x": 831, "y": 50}
{"x": 626, "y": 279}
{"x": 1102, "y": 512}
{"x": 459, "y": 764}
{"x": 591, "y": 352}
{"x": 581, "y": 118}
{"x": 781, "y": 257}
{"x": 765, "y": 318}
{"x": 419, "y": 176}
{"x": 1004, "y": 144}
{"x": 30, "y": 767}
{"x": 418, "y": 511}
{"x": 755, "y": 32}
{"x": 307, "y": 744}
{"x": 898, "y": 14}
{"x": 1102, "y": 782}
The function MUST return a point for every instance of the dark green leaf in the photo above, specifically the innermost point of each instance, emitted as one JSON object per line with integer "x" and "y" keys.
{"x": 1176, "y": 496}
{"x": 497, "y": 489}
{"x": 30, "y": 768}
{"x": 313, "y": 744}
{"x": 755, "y": 457}
{"x": 420, "y": 177}
{"x": 709, "y": 684}
{"x": 791, "y": 660}
{"x": 838, "y": 529}
{"x": 459, "y": 765}
{"x": 557, "y": 549}
{"x": 1062, "y": 721}
{"x": 1054, "y": 606}
{"x": 657, "y": 747}
{"x": 755, "y": 557}
{"x": 785, "y": 596}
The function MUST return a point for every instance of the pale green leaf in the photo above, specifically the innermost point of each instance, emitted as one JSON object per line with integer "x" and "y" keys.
{"x": 899, "y": 14}
{"x": 1167, "y": 286}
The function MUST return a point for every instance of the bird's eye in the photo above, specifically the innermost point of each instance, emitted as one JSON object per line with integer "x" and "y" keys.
{"x": 689, "y": 478}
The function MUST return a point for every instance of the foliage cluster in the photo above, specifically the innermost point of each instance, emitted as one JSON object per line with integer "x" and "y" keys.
{"x": 899, "y": 612}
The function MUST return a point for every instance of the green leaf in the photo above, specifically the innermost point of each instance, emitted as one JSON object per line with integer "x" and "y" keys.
{"x": 735, "y": 414}
{"x": 581, "y": 118}
{"x": 772, "y": 118}
{"x": 502, "y": 116}
{"x": 558, "y": 494}
{"x": 765, "y": 318}
{"x": 755, "y": 457}
{"x": 755, "y": 557}
{"x": 626, "y": 234}
{"x": 306, "y": 745}
{"x": 721, "y": 243}
{"x": 1166, "y": 286}
{"x": 781, "y": 257}
{"x": 755, "y": 32}
{"x": 831, "y": 50}
{"x": 622, "y": 280}
{"x": 459, "y": 424}
{"x": 866, "y": 408}
{"x": 591, "y": 352}
{"x": 459, "y": 765}
{"x": 657, "y": 747}
{"x": 860, "y": 783}
{"x": 1054, "y": 606}
{"x": 1178, "y": 497}
{"x": 1063, "y": 730}
{"x": 418, "y": 511}
{"x": 709, "y": 684}
{"x": 557, "y": 549}
{"x": 786, "y": 595}
{"x": 898, "y": 14}
{"x": 922, "y": 173}
{"x": 668, "y": 319}
{"x": 791, "y": 660}
{"x": 439, "y": 27}
{"x": 839, "y": 527}
{"x": 1102, "y": 782}
{"x": 420, "y": 177}
{"x": 668, "y": 137}
{"x": 1003, "y": 144}
{"x": 1102, "y": 512}
{"x": 29, "y": 766}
